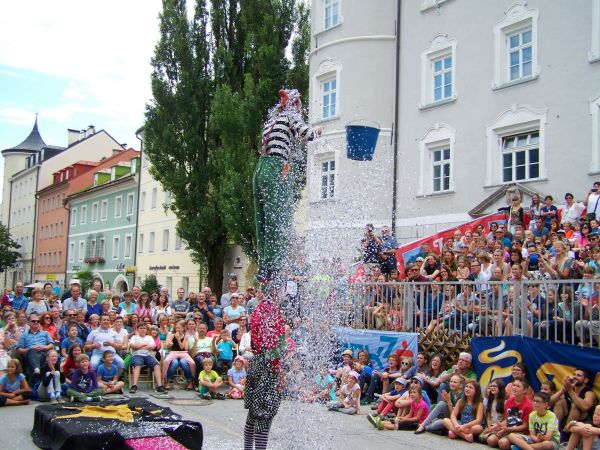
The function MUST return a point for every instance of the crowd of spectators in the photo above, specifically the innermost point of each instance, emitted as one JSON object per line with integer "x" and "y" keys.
{"x": 476, "y": 276}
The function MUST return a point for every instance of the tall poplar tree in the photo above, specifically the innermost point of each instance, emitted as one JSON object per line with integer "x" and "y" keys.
{"x": 176, "y": 132}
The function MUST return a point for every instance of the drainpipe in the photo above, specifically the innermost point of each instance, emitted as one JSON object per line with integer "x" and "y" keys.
{"x": 396, "y": 117}
{"x": 35, "y": 202}
{"x": 137, "y": 220}
{"x": 8, "y": 228}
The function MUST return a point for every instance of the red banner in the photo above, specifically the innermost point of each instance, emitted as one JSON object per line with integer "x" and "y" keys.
{"x": 408, "y": 253}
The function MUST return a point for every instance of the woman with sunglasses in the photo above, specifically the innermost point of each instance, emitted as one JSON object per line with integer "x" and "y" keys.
{"x": 47, "y": 324}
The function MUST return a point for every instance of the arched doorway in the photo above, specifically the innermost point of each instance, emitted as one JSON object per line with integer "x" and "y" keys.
{"x": 120, "y": 284}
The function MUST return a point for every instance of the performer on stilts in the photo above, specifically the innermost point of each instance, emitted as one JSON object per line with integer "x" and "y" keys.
{"x": 274, "y": 206}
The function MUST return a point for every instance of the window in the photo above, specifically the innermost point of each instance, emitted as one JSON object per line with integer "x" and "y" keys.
{"x": 52, "y": 234}
{"x": 81, "y": 251}
{"x": 170, "y": 284}
{"x": 595, "y": 113}
{"x": 594, "y": 53}
{"x": 130, "y": 203}
{"x": 151, "y": 242}
{"x": 177, "y": 241}
{"x": 83, "y": 216}
{"x": 101, "y": 247}
{"x": 521, "y": 157}
{"x": 154, "y": 197}
{"x": 515, "y": 47}
{"x": 331, "y": 13}
{"x": 441, "y": 169}
{"x": 519, "y": 54}
{"x": 185, "y": 283}
{"x": 95, "y": 212}
{"x": 127, "y": 252}
{"x": 141, "y": 243}
{"x": 92, "y": 249}
{"x": 438, "y": 61}
{"x": 41, "y": 232}
{"x": 73, "y": 216}
{"x": 61, "y": 228}
{"x": 516, "y": 146}
{"x": 168, "y": 198}
{"x": 118, "y": 206}
{"x": 115, "y": 247}
{"x": 165, "y": 244}
{"x": 329, "y": 97}
{"x": 442, "y": 78}
{"x": 143, "y": 201}
{"x": 104, "y": 210}
{"x": 327, "y": 179}
{"x": 436, "y": 155}
{"x": 144, "y": 160}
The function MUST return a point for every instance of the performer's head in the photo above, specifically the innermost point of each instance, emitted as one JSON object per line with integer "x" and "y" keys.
{"x": 290, "y": 98}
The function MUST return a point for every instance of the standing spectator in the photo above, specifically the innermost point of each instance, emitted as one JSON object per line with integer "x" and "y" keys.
{"x": 548, "y": 211}
{"x": 572, "y": 211}
{"x": 534, "y": 208}
{"x": 592, "y": 202}
{"x": 50, "y": 297}
{"x": 19, "y": 302}
{"x": 128, "y": 305}
{"x": 100, "y": 295}
{"x": 135, "y": 294}
{"x": 74, "y": 282}
{"x": 37, "y": 304}
{"x": 7, "y": 298}
{"x": 387, "y": 257}
{"x": 205, "y": 309}
{"x": 232, "y": 313}
{"x": 101, "y": 340}
{"x": 371, "y": 246}
{"x": 75, "y": 301}
{"x": 93, "y": 306}
{"x": 232, "y": 287}
{"x": 179, "y": 306}
{"x": 515, "y": 213}
{"x": 161, "y": 308}
{"x": 33, "y": 345}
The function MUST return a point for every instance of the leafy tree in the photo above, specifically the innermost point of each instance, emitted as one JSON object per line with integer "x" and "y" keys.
{"x": 176, "y": 132}
{"x": 8, "y": 249}
{"x": 149, "y": 284}
{"x": 86, "y": 278}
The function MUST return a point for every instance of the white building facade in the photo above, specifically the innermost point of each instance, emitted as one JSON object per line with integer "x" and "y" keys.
{"x": 506, "y": 101}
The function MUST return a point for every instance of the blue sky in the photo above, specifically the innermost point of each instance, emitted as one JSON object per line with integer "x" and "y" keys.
{"x": 75, "y": 63}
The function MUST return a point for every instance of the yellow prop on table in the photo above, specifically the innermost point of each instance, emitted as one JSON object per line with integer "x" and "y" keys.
{"x": 115, "y": 412}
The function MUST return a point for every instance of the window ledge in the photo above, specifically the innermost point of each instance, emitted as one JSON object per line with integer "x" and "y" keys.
{"x": 594, "y": 173}
{"x": 509, "y": 84}
{"x": 426, "y": 5}
{"x": 325, "y": 30}
{"x": 327, "y": 119}
{"x": 497, "y": 185}
{"x": 431, "y": 105}
{"x": 437, "y": 194}
{"x": 593, "y": 58}
{"x": 323, "y": 200}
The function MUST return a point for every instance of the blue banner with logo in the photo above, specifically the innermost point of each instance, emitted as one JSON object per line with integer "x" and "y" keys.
{"x": 494, "y": 358}
{"x": 380, "y": 344}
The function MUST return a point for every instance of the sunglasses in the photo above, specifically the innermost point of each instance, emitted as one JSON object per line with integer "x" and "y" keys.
{"x": 404, "y": 363}
{"x": 71, "y": 315}
{"x": 34, "y": 321}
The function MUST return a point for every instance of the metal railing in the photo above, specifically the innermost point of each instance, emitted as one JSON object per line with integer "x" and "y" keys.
{"x": 557, "y": 310}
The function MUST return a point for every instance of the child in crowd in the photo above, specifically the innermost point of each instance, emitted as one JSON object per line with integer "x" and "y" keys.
{"x": 14, "y": 389}
{"x": 224, "y": 347}
{"x": 294, "y": 381}
{"x": 52, "y": 379}
{"x": 348, "y": 396}
{"x": 323, "y": 390}
{"x": 236, "y": 378}
{"x": 70, "y": 363}
{"x": 441, "y": 411}
{"x": 210, "y": 381}
{"x": 388, "y": 399}
{"x": 543, "y": 428}
{"x": 519, "y": 371}
{"x": 494, "y": 408}
{"x": 84, "y": 386}
{"x": 516, "y": 415}
{"x": 343, "y": 368}
{"x": 70, "y": 340}
{"x": 410, "y": 421}
{"x": 558, "y": 404}
{"x": 467, "y": 415}
{"x": 589, "y": 433}
{"x": 107, "y": 375}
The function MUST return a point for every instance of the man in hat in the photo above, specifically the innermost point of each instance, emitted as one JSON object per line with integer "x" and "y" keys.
{"x": 273, "y": 182}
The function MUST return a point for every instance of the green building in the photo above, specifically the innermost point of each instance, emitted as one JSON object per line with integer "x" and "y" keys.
{"x": 103, "y": 226}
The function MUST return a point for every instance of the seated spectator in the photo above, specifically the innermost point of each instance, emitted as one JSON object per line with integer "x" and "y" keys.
{"x": 391, "y": 372}
{"x": 411, "y": 420}
{"x": 161, "y": 308}
{"x": 115, "y": 306}
{"x": 122, "y": 336}
{"x": 543, "y": 428}
{"x": 209, "y": 381}
{"x": 236, "y": 378}
{"x": 516, "y": 416}
{"x": 75, "y": 301}
{"x": 467, "y": 415}
{"x": 94, "y": 322}
{"x": 558, "y": 404}
{"x": 178, "y": 357}
{"x": 101, "y": 340}
{"x": 84, "y": 386}
{"x": 348, "y": 396}
{"x": 224, "y": 349}
{"x": 571, "y": 211}
{"x": 388, "y": 400}
{"x": 494, "y": 409}
{"x": 52, "y": 379}
{"x": 68, "y": 365}
{"x": 518, "y": 372}
{"x": 47, "y": 324}
{"x": 108, "y": 375}
{"x": 218, "y": 327}
{"x": 462, "y": 367}
{"x": 19, "y": 301}
{"x": 32, "y": 347}
{"x": 14, "y": 389}
{"x": 579, "y": 396}
{"x": 7, "y": 340}
{"x": 71, "y": 319}
{"x": 142, "y": 349}
{"x": 37, "y": 304}
{"x": 445, "y": 405}
{"x": 434, "y": 372}
{"x": 127, "y": 305}
{"x": 143, "y": 308}
{"x": 93, "y": 307}
{"x": 323, "y": 390}
{"x": 589, "y": 433}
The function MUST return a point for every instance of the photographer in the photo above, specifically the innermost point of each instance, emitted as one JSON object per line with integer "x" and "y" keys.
{"x": 387, "y": 256}
{"x": 592, "y": 202}
{"x": 371, "y": 246}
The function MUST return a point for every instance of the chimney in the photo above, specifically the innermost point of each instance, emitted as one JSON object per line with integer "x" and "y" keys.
{"x": 91, "y": 129}
{"x": 72, "y": 136}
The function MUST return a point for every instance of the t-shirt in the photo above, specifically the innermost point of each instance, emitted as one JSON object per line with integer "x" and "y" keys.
{"x": 204, "y": 345}
{"x": 322, "y": 383}
{"x": 209, "y": 376}
{"x": 542, "y": 424}
{"x": 106, "y": 374}
{"x": 135, "y": 339}
{"x": 233, "y": 314}
{"x": 225, "y": 350}
{"x": 180, "y": 306}
{"x": 84, "y": 382}
{"x": 415, "y": 407}
{"x": 67, "y": 343}
{"x": 236, "y": 375}
{"x": 517, "y": 414}
{"x": 100, "y": 335}
{"x": 128, "y": 310}
{"x": 12, "y": 386}
{"x": 348, "y": 392}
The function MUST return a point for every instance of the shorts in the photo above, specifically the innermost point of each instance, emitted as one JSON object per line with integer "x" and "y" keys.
{"x": 139, "y": 360}
{"x": 2, "y": 401}
{"x": 527, "y": 439}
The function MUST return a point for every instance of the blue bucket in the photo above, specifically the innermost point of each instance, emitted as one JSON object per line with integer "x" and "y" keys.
{"x": 361, "y": 141}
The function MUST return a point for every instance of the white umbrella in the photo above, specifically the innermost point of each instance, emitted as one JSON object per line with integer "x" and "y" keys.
{"x": 35, "y": 285}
